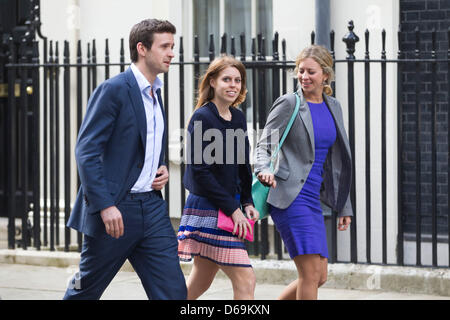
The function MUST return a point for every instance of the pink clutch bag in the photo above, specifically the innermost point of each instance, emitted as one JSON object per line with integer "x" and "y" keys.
{"x": 226, "y": 223}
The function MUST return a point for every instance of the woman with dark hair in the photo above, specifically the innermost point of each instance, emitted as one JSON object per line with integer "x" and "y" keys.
{"x": 314, "y": 166}
{"x": 218, "y": 177}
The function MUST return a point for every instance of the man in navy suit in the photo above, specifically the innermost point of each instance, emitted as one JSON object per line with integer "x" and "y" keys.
{"x": 120, "y": 157}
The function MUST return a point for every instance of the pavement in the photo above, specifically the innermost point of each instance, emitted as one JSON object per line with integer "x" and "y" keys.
{"x": 43, "y": 275}
{"x": 26, "y": 282}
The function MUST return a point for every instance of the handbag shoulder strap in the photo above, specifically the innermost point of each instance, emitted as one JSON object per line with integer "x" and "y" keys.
{"x": 286, "y": 131}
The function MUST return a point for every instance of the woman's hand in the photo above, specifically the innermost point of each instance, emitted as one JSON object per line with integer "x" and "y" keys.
{"x": 344, "y": 223}
{"x": 241, "y": 224}
{"x": 267, "y": 179}
{"x": 251, "y": 213}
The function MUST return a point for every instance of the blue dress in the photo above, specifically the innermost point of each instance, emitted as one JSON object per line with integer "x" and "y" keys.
{"x": 301, "y": 225}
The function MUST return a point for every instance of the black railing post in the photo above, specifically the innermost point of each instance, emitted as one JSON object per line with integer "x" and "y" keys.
{"x": 182, "y": 120}
{"x": 57, "y": 145}
{"x": 79, "y": 93}
{"x": 166, "y": 125}
{"x": 448, "y": 143}
{"x": 262, "y": 120}
{"x": 196, "y": 67}
{"x": 368, "y": 157}
{"x": 333, "y": 55}
{"x": 12, "y": 148}
{"x": 243, "y": 58}
{"x": 418, "y": 153}
{"x": 433, "y": 151}
{"x": 400, "y": 153}
{"x": 223, "y": 46}
{"x": 67, "y": 147}
{"x": 47, "y": 71}
{"x": 278, "y": 245}
{"x": 275, "y": 70}
{"x": 79, "y": 118}
{"x": 211, "y": 48}
{"x": 383, "y": 148}
{"x": 284, "y": 73}
{"x": 94, "y": 65}
{"x": 255, "y": 102}
{"x": 262, "y": 82}
{"x": 122, "y": 56}
{"x": 52, "y": 148}
{"x": 243, "y": 47}
{"x": 233, "y": 47}
{"x": 36, "y": 147}
{"x": 350, "y": 40}
{"x": 106, "y": 59}
{"x": 23, "y": 158}
{"x": 89, "y": 73}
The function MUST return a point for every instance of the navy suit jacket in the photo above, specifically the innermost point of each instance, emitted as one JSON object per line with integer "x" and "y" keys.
{"x": 110, "y": 150}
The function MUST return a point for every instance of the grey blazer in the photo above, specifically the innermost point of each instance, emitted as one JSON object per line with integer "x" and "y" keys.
{"x": 296, "y": 156}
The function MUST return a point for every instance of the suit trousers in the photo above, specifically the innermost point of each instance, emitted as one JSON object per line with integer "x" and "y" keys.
{"x": 149, "y": 243}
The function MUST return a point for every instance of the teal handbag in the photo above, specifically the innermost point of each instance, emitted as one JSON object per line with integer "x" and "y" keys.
{"x": 260, "y": 191}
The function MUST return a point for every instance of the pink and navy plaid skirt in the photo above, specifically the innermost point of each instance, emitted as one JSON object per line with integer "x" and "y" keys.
{"x": 198, "y": 235}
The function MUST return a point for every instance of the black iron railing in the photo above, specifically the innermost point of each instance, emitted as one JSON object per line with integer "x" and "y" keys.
{"x": 38, "y": 186}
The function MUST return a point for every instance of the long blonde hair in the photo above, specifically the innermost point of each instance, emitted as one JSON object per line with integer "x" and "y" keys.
{"x": 323, "y": 58}
{"x": 206, "y": 92}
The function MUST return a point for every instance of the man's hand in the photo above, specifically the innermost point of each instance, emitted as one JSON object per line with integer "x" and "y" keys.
{"x": 162, "y": 177}
{"x": 112, "y": 218}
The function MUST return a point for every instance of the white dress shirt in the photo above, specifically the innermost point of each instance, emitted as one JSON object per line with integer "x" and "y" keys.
{"x": 155, "y": 130}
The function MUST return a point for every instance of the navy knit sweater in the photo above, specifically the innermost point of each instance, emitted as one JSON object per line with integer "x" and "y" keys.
{"x": 218, "y": 166}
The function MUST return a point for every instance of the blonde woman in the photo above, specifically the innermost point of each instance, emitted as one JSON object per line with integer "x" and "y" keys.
{"x": 314, "y": 165}
{"x": 218, "y": 176}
